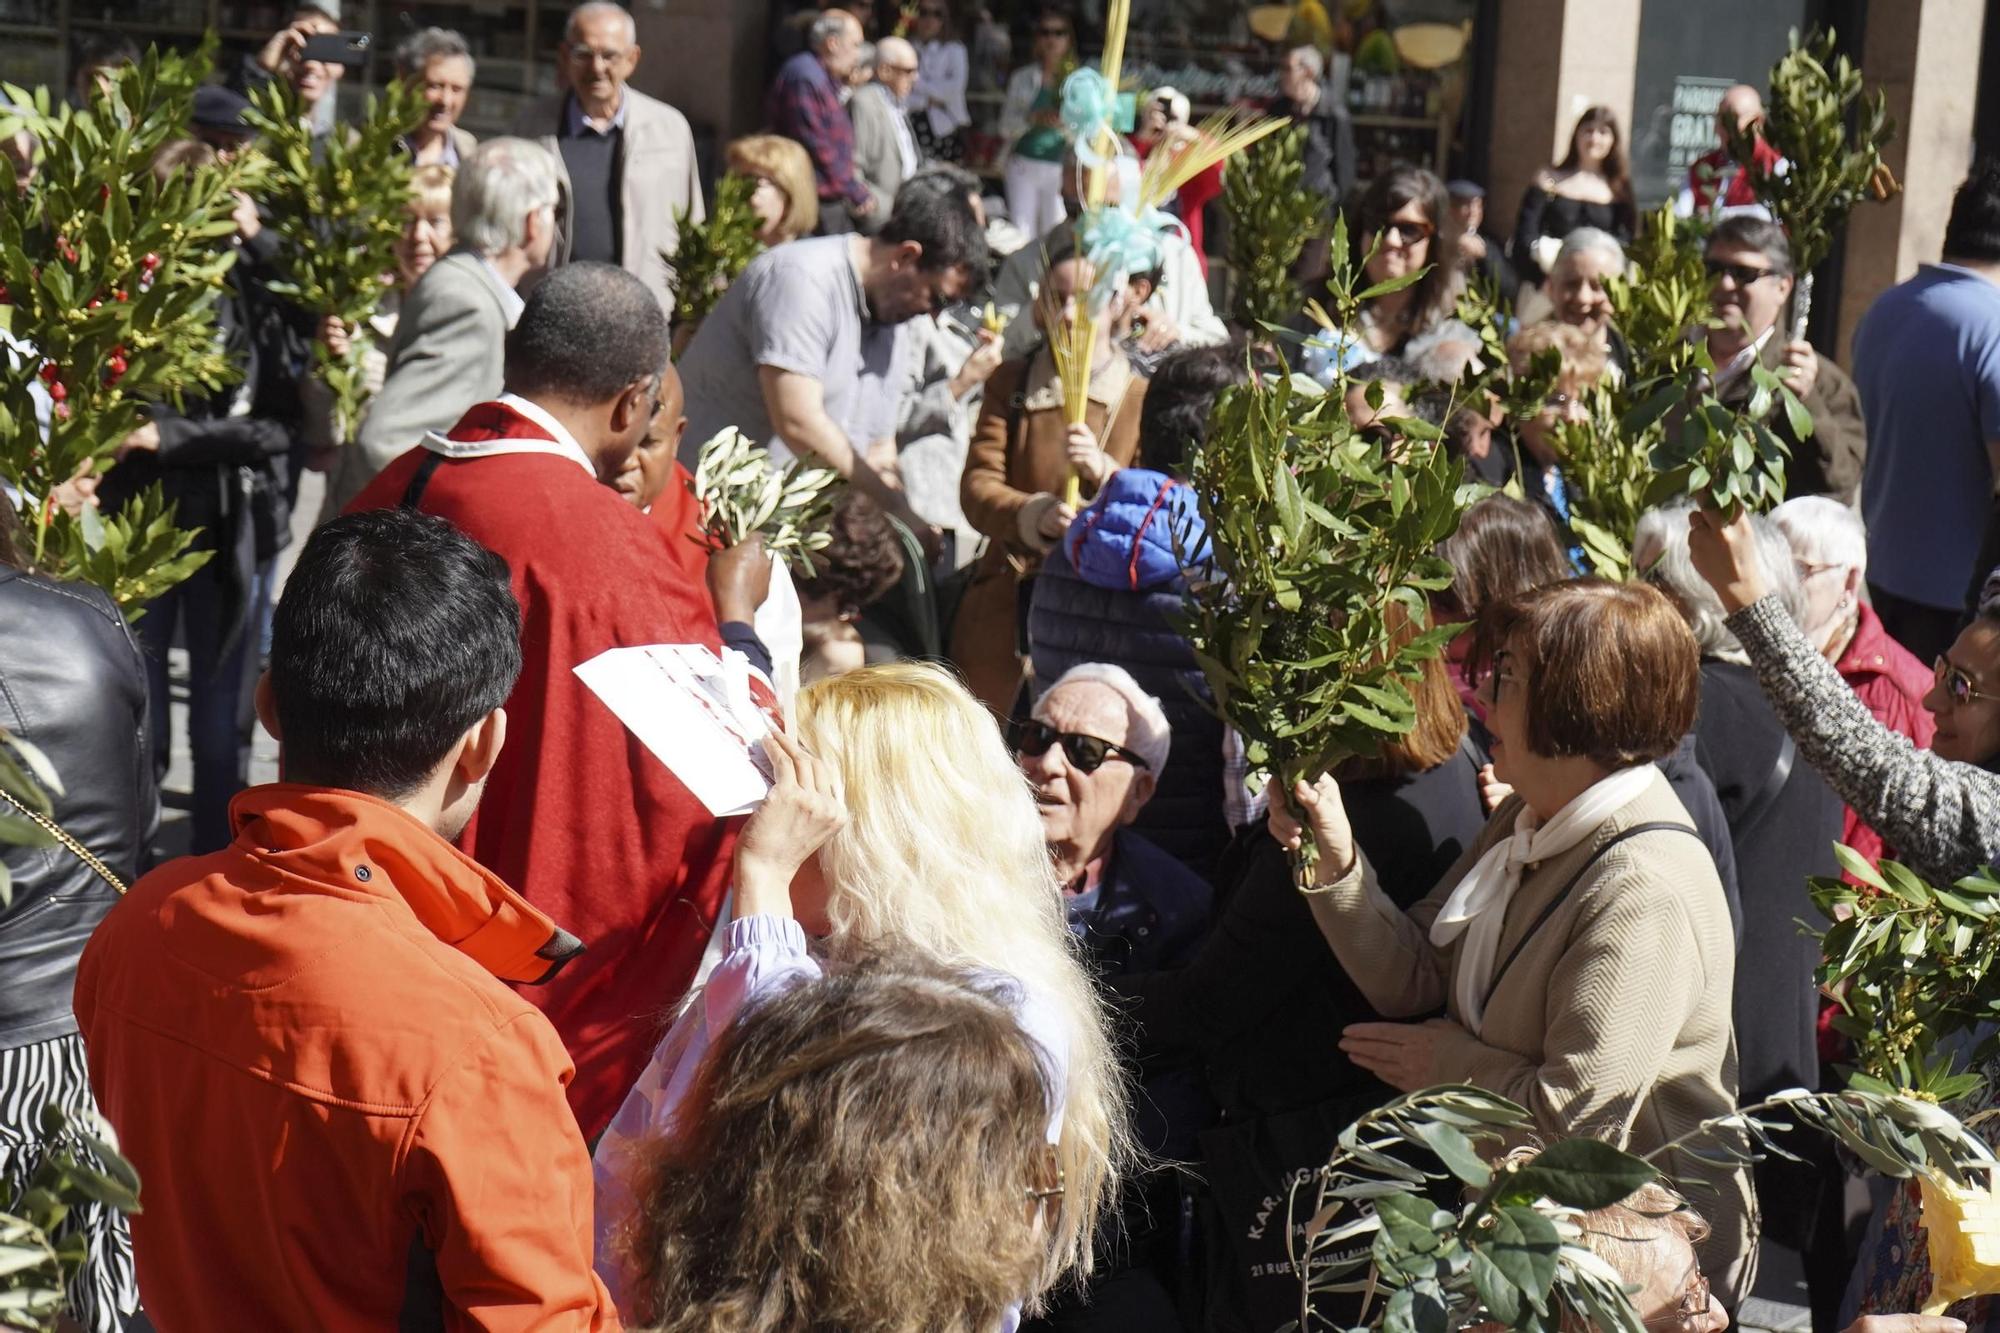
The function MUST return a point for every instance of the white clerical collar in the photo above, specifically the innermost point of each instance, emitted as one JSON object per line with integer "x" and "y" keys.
{"x": 1739, "y": 365}
{"x": 562, "y": 445}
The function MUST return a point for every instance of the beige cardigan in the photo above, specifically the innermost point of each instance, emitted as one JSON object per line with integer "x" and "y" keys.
{"x": 1613, "y": 1022}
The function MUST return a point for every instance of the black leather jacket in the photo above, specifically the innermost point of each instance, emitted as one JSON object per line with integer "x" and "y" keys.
{"x": 72, "y": 684}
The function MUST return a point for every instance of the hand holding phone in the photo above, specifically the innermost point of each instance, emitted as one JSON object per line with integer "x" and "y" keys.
{"x": 337, "y": 48}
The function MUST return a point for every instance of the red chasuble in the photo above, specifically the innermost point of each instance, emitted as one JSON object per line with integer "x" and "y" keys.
{"x": 578, "y": 815}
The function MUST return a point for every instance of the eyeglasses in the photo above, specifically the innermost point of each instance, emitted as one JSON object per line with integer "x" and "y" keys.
{"x": 1693, "y": 1305}
{"x": 1407, "y": 233}
{"x": 1087, "y": 753}
{"x": 584, "y": 54}
{"x": 895, "y": 69}
{"x": 1741, "y": 274}
{"x": 1957, "y": 684}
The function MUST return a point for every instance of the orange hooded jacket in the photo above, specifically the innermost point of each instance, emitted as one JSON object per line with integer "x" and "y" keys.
{"x": 340, "y": 1115}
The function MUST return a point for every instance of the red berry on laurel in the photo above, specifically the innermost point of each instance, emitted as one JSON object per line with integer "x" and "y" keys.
{"x": 58, "y": 391}
{"x": 150, "y": 262}
{"x": 62, "y": 409}
{"x": 49, "y": 372}
{"x": 95, "y": 304}
{"x": 118, "y": 294}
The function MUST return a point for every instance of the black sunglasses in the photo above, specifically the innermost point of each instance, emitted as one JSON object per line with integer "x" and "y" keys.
{"x": 1741, "y": 274}
{"x": 1087, "y": 753}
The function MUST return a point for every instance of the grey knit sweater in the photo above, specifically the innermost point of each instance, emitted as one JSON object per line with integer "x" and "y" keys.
{"x": 1941, "y": 817}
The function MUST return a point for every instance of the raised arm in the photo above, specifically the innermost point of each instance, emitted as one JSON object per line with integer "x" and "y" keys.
{"x": 1942, "y": 817}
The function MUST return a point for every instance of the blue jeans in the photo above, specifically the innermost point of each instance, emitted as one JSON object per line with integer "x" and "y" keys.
{"x": 218, "y": 686}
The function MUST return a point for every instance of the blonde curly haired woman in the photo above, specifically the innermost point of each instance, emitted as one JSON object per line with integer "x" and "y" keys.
{"x": 919, "y": 1082}
{"x": 898, "y": 826}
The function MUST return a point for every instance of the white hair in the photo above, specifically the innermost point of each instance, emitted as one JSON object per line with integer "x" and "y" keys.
{"x": 831, "y": 24}
{"x": 596, "y": 7}
{"x": 1823, "y": 532}
{"x": 1311, "y": 57}
{"x": 1674, "y": 573}
{"x": 892, "y": 47}
{"x": 497, "y": 189}
{"x": 1148, "y": 735}
{"x": 1593, "y": 240}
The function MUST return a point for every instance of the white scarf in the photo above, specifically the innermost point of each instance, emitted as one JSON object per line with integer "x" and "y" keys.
{"x": 1477, "y": 908}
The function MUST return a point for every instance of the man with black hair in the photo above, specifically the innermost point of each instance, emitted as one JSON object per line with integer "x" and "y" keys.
{"x": 1749, "y": 264}
{"x": 342, "y": 1114}
{"x": 802, "y": 350}
{"x": 578, "y": 815}
{"x": 1927, "y": 361}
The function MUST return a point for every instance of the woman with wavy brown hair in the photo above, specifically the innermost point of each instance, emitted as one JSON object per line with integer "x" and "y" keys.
{"x": 862, "y": 1152}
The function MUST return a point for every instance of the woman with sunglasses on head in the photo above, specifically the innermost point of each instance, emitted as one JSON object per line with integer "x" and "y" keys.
{"x": 1403, "y": 222}
{"x": 898, "y": 827}
{"x": 938, "y": 113}
{"x": 1032, "y": 126}
{"x": 1591, "y": 186}
{"x": 1581, "y": 948}
{"x": 917, "y": 1084}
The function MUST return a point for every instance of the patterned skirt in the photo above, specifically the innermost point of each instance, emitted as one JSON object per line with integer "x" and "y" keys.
{"x": 105, "y": 1289}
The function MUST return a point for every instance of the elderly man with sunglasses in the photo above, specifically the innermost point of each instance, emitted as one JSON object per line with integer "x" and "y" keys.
{"x": 1092, "y": 752}
{"x": 1750, "y": 276}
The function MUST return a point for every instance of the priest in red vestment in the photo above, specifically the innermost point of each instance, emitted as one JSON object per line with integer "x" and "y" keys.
{"x": 578, "y": 815}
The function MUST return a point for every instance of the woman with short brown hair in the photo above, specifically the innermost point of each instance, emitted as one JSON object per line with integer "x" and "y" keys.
{"x": 786, "y": 202}
{"x": 1581, "y": 948}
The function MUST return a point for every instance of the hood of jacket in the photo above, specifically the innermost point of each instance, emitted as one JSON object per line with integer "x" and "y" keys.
{"x": 354, "y": 841}
{"x": 1143, "y": 530}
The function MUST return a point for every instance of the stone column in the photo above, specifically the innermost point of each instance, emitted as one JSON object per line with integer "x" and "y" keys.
{"x": 1925, "y": 57}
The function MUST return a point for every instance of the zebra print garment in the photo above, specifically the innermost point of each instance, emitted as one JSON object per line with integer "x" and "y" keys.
{"x": 31, "y": 1077}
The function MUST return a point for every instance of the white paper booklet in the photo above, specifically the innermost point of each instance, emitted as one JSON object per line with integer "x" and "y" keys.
{"x": 695, "y": 712}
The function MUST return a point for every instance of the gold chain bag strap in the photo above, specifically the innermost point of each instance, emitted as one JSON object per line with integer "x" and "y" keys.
{"x": 76, "y": 849}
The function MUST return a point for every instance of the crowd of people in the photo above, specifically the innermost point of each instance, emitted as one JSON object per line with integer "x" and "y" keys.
{"x": 1004, "y": 1009}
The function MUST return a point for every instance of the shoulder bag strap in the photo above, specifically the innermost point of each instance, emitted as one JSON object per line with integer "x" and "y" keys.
{"x": 1774, "y": 783}
{"x": 413, "y": 494}
{"x": 61, "y": 835}
{"x": 1574, "y": 880}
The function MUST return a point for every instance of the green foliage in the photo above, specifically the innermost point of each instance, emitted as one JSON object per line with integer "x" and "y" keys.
{"x": 1912, "y": 967}
{"x": 1271, "y": 217}
{"x": 741, "y": 493}
{"x": 1668, "y": 414}
{"x": 27, "y": 778}
{"x": 709, "y": 254}
{"x": 1456, "y": 1239}
{"x": 79, "y": 1167}
{"x": 134, "y": 555}
{"x": 111, "y": 279}
{"x": 1322, "y": 551}
{"x": 1505, "y": 1250}
{"x": 337, "y": 205}
{"x": 1830, "y": 134}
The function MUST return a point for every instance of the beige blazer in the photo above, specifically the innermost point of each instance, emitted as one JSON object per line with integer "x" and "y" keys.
{"x": 658, "y": 177}
{"x": 1613, "y": 1022}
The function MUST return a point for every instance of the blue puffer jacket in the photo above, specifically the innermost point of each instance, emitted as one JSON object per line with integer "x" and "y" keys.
{"x": 1107, "y": 593}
